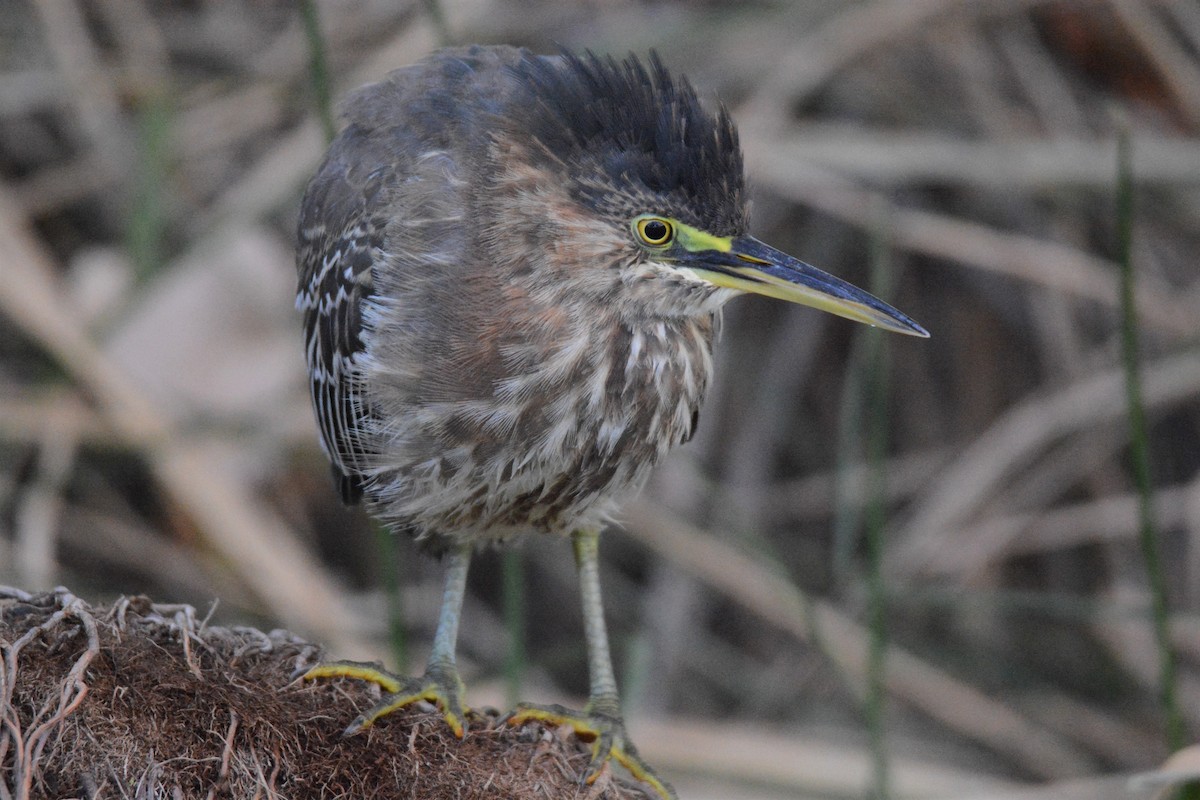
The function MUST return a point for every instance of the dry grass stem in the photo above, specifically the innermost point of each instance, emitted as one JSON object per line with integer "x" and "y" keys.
{"x": 844, "y": 641}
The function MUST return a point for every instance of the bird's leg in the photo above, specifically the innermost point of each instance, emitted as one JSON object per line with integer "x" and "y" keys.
{"x": 439, "y": 685}
{"x": 600, "y": 722}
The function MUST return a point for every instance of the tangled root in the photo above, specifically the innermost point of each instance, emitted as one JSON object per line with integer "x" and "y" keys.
{"x": 141, "y": 699}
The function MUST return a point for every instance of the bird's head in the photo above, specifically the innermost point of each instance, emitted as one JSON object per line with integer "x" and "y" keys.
{"x": 657, "y": 191}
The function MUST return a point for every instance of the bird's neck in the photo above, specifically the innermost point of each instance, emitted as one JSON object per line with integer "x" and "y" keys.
{"x": 627, "y": 342}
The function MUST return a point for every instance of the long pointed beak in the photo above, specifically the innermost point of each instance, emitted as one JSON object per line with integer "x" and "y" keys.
{"x": 752, "y": 266}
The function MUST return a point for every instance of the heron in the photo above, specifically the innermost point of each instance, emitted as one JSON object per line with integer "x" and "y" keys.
{"x": 511, "y": 273}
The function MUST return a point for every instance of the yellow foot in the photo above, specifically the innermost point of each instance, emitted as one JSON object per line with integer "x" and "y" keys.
{"x": 606, "y": 732}
{"x": 439, "y": 685}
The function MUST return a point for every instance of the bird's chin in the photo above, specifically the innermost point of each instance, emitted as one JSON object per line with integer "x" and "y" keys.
{"x": 660, "y": 290}
{"x": 690, "y": 295}
{"x": 718, "y": 298}
{"x": 706, "y": 297}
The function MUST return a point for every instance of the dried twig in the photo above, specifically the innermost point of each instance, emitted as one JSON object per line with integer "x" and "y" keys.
{"x": 262, "y": 550}
{"x": 1014, "y": 440}
{"x": 935, "y": 692}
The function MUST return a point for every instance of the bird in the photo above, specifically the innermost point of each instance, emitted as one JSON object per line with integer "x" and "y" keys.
{"x": 511, "y": 272}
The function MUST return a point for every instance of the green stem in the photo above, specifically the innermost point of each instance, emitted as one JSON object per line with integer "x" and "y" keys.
{"x": 385, "y": 546}
{"x": 1139, "y": 448}
{"x": 318, "y": 68}
{"x": 146, "y": 233}
{"x": 875, "y": 405}
{"x": 513, "y": 567}
{"x": 437, "y": 17}
{"x": 847, "y": 518}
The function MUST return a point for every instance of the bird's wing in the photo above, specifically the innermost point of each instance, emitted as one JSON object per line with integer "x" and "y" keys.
{"x": 340, "y": 235}
{"x": 380, "y": 225}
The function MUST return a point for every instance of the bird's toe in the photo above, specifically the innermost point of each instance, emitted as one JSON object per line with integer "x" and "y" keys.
{"x": 607, "y": 736}
{"x": 439, "y": 686}
{"x": 372, "y": 672}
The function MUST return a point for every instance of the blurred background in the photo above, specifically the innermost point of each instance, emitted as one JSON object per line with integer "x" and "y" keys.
{"x": 884, "y": 566}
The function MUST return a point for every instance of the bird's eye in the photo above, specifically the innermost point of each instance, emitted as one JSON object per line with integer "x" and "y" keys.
{"x": 654, "y": 231}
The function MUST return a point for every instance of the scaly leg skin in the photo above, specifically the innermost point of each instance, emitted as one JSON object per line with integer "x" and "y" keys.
{"x": 439, "y": 685}
{"x": 600, "y": 722}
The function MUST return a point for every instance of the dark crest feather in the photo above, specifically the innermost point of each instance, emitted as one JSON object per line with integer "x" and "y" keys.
{"x": 623, "y": 125}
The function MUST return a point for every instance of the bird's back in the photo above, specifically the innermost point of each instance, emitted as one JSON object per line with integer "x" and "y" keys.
{"x": 465, "y": 395}
{"x": 389, "y": 175}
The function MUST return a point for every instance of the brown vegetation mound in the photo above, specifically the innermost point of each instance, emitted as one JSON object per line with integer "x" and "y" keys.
{"x": 144, "y": 699}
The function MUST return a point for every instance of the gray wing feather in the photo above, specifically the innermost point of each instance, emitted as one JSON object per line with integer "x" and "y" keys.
{"x": 340, "y": 239}
{"x": 387, "y": 183}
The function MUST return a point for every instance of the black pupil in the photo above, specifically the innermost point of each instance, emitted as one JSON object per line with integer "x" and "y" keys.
{"x": 655, "y": 231}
